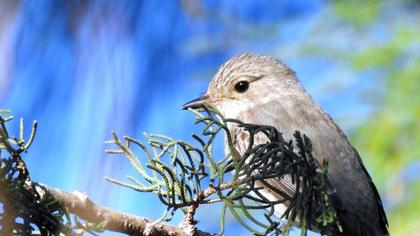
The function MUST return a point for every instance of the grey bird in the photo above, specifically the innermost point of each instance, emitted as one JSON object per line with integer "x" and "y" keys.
{"x": 262, "y": 90}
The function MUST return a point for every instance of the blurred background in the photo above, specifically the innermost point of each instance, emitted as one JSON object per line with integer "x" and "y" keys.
{"x": 83, "y": 68}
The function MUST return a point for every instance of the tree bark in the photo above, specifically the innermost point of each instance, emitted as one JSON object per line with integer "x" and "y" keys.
{"x": 79, "y": 204}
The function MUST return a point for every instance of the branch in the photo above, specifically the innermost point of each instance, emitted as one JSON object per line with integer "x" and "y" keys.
{"x": 79, "y": 204}
{"x": 175, "y": 171}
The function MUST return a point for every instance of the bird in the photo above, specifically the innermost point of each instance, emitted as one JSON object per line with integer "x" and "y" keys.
{"x": 261, "y": 89}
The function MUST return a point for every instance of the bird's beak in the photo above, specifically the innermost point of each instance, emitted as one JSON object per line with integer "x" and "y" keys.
{"x": 196, "y": 103}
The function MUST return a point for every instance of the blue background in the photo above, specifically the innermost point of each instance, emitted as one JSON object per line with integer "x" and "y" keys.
{"x": 85, "y": 68}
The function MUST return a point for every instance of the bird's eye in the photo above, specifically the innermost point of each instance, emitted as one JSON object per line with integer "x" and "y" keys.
{"x": 242, "y": 86}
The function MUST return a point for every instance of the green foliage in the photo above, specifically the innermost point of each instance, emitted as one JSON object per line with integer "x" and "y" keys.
{"x": 184, "y": 176}
{"x": 392, "y": 133}
{"x": 357, "y": 11}
{"x": 22, "y": 207}
{"x": 386, "y": 56}
{"x": 389, "y": 139}
{"x": 26, "y": 209}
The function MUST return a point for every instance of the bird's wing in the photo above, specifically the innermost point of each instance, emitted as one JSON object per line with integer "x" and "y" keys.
{"x": 275, "y": 186}
{"x": 381, "y": 212}
{"x": 282, "y": 186}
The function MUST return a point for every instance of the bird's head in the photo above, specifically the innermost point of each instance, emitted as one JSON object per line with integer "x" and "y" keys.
{"x": 245, "y": 82}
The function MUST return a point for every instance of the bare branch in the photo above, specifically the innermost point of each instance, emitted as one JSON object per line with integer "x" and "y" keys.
{"x": 80, "y": 205}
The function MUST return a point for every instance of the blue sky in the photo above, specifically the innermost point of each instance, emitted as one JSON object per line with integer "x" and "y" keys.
{"x": 82, "y": 70}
